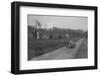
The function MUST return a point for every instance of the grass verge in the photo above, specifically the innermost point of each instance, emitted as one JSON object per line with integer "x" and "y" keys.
{"x": 83, "y": 50}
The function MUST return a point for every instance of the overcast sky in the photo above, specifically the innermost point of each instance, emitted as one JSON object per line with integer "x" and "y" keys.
{"x": 68, "y": 22}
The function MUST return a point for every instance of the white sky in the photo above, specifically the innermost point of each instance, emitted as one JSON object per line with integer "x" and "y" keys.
{"x": 68, "y": 22}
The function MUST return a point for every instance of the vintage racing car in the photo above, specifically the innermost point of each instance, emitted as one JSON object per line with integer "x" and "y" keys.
{"x": 70, "y": 44}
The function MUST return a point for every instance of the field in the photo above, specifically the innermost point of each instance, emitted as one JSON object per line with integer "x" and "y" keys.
{"x": 37, "y": 47}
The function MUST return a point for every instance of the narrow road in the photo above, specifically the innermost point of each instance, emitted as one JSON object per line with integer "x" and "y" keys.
{"x": 61, "y": 53}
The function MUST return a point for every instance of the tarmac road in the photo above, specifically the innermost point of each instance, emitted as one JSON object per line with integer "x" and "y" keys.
{"x": 61, "y": 53}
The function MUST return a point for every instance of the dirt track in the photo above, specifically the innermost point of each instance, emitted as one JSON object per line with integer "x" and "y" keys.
{"x": 61, "y": 53}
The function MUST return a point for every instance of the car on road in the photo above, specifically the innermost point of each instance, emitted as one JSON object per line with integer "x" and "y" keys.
{"x": 70, "y": 44}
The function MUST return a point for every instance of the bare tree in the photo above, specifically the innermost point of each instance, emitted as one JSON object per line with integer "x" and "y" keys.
{"x": 38, "y": 24}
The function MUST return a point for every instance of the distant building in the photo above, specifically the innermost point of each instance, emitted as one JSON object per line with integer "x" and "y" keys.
{"x": 45, "y": 36}
{"x": 67, "y": 35}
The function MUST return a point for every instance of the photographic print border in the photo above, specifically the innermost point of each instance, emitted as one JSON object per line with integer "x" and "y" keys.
{"x": 15, "y": 37}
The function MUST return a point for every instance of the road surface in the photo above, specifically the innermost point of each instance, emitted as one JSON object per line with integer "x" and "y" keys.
{"x": 61, "y": 53}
